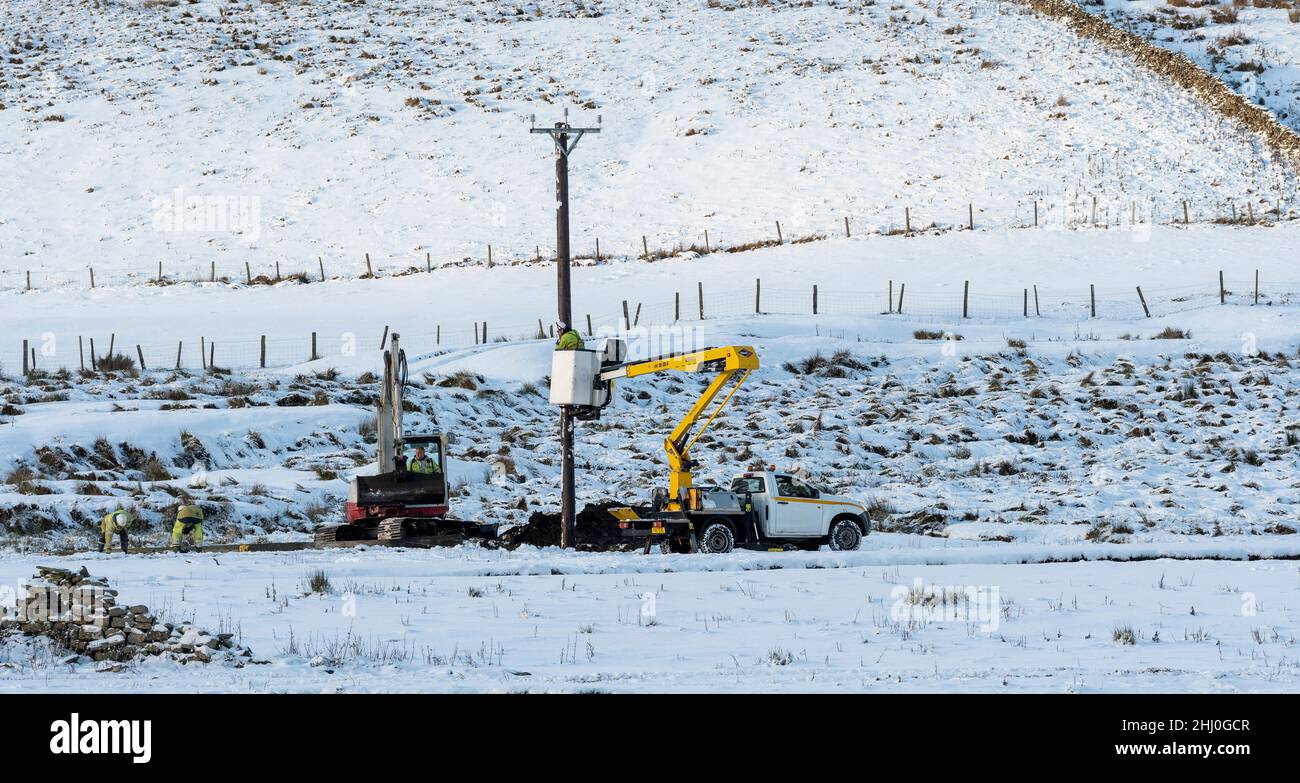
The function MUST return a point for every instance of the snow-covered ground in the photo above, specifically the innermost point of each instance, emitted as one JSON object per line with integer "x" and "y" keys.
{"x": 262, "y": 133}
{"x": 1100, "y": 480}
{"x": 884, "y": 620}
{"x": 1253, "y": 48}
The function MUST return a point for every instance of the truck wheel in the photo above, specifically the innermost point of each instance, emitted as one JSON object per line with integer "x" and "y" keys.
{"x": 717, "y": 538}
{"x": 845, "y": 536}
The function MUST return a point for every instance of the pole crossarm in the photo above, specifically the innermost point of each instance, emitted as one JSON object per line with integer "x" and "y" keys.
{"x": 566, "y": 138}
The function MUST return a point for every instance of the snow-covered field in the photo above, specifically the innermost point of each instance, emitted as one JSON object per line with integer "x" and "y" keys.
{"x": 1088, "y": 482}
{"x": 262, "y": 133}
{"x": 540, "y": 620}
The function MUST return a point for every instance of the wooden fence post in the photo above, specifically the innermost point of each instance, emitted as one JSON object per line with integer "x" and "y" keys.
{"x": 590, "y": 331}
{"x": 1256, "y": 286}
{"x": 645, "y": 247}
{"x": 701, "y": 290}
{"x": 26, "y": 368}
{"x": 277, "y": 270}
{"x": 814, "y": 299}
{"x": 677, "y": 306}
{"x": 627, "y": 321}
{"x": 706, "y": 242}
{"x": 321, "y": 262}
{"x": 212, "y": 355}
{"x": 158, "y": 279}
{"x": 965, "y": 300}
{"x": 1143, "y": 300}
{"x": 597, "y": 250}
{"x": 971, "y": 209}
{"x": 907, "y": 220}
{"x": 1223, "y": 294}
{"x": 779, "y": 239}
{"x": 891, "y": 296}
{"x": 112, "y": 340}
{"x": 437, "y": 337}
{"x": 1092, "y": 298}
{"x": 1186, "y": 217}
{"x": 847, "y": 234}
{"x": 212, "y": 272}
{"x": 248, "y": 273}
{"x": 636, "y": 319}
{"x": 29, "y": 279}
{"x": 179, "y": 343}
{"x": 92, "y": 277}
{"x": 1035, "y": 214}
{"x": 384, "y": 339}
{"x": 1037, "y": 312}
{"x": 81, "y": 354}
{"x": 262, "y": 361}
{"x": 485, "y": 339}
{"x": 758, "y": 295}
{"x": 140, "y": 352}
{"x": 370, "y": 271}
{"x": 541, "y": 330}
{"x": 1026, "y": 302}
{"x": 314, "y": 356}
{"x": 428, "y": 263}
{"x": 203, "y": 351}
{"x": 902, "y": 288}
{"x": 92, "y": 355}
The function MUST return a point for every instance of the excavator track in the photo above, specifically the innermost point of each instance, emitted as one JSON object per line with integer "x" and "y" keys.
{"x": 325, "y": 535}
{"x": 392, "y": 530}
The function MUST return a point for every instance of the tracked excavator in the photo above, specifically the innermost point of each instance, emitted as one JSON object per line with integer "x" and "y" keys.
{"x": 406, "y": 502}
{"x": 763, "y": 509}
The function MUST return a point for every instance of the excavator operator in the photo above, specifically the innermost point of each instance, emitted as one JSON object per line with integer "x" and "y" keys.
{"x": 421, "y": 462}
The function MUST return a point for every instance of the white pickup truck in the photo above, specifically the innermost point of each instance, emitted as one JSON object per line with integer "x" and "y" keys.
{"x": 763, "y": 509}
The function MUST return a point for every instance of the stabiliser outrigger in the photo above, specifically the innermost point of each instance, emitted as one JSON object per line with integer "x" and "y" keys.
{"x": 764, "y": 509}
{"x": 396, "y": 505}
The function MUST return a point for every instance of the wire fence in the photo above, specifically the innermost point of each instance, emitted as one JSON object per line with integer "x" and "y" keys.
{"x": 1038, "y": 211}
{"x": 49, "y": 352}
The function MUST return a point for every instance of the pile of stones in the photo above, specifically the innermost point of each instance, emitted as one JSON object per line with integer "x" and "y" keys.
{"x": 81, "y": 614}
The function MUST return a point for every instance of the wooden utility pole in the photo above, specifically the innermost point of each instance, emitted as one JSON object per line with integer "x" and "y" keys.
{"x": 565, "y": 138}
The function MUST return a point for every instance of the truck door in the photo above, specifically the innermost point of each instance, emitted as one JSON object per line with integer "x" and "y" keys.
{"x": 753, "y": 486}
{"x": 795, "y": 509}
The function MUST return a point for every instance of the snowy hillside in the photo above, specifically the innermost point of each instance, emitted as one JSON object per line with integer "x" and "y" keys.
{"x": 189, "y": 133}
{"x": 1254, "y": 48}
{"x": 1052, "y": 438}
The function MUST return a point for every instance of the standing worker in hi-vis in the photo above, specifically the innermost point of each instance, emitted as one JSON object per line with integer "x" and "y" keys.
{"x": 188, "y": 530}
{"x": 115, "y": 523}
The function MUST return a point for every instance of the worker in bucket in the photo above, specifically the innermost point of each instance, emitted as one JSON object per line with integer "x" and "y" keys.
{"x": 115, "y": 523}
{"x": 567, "y": 338}
{"x": 188, "y": 530}
{"x": 421, "y": 462}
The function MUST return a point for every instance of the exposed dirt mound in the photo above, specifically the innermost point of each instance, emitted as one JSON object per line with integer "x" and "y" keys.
{"x": 594, "y": 530}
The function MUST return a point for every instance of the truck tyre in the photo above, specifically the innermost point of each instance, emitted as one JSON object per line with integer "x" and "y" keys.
{"x": 717, "y": 538}
{"x": 845, "y": 535}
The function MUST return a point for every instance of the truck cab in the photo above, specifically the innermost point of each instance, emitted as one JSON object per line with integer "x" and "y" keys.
{"x": 762, "y": 509}
{"x": 786, "y": 507}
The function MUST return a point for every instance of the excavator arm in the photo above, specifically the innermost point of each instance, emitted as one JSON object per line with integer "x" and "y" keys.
{"x": 731, "y": 363}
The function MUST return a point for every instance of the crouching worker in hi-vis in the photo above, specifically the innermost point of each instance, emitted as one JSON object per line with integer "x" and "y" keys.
{"x": 188, "y": 530}
{"x": 115, "y": 523}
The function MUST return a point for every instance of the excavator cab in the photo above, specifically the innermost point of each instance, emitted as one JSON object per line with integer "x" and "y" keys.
{"x": 417, "y": 480}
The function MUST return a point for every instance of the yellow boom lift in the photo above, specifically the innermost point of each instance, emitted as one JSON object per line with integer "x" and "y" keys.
{"x": 762, "y": 509}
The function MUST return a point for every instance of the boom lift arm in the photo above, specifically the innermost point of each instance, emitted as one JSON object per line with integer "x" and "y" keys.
{"x": 732, "y": 362}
